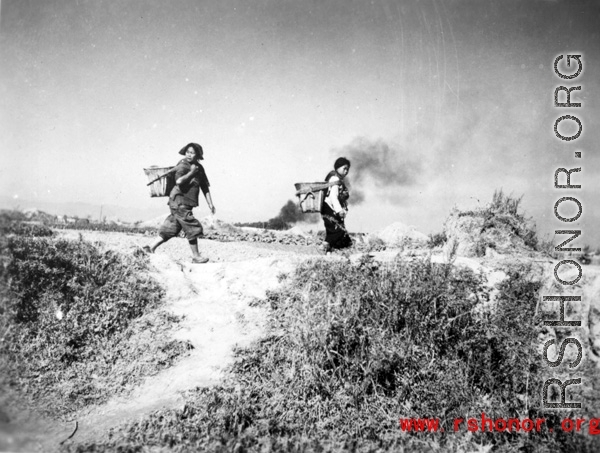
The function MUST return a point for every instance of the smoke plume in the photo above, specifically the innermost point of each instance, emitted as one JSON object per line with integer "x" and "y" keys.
{"x": 289, "y": 214}
{"x": 385, "y": 166}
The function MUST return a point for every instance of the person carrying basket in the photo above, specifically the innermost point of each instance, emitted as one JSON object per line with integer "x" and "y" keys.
{"x": 190, "y": 178}
{"x": 335, "y": 208}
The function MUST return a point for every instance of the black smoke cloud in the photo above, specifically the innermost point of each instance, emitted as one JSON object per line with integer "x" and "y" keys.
{"x": 385, "y": 166}
{"x": 289, "y": 214}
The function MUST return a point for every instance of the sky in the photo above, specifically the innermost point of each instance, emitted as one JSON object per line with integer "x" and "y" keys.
{"x": 437, "y": 103}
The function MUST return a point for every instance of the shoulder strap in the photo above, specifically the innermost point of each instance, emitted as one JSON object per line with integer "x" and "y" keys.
{"x": 339, "y": 182}
{"x": 329, "y": 175}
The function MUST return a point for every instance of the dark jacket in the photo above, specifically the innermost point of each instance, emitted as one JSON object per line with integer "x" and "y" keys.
{"x": 188, "y": 192}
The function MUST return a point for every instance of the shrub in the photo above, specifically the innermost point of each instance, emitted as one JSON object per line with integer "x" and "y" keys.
{"x": 71, "y": 317}
{"x": 352, "y": 348}
{"x": 12, "y": 222}
{"x": 437, "y": 240}
{"x": 11, "y": 215}
{"x": 505, "y": 204}
{"x": 503, "y": 213}
{"x": 375, "y": 244}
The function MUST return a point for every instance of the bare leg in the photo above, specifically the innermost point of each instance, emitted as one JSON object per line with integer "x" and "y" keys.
{"x": 156, "y": 243}
{"x": 194, "y": 247}
{"x": 197, "y": 258}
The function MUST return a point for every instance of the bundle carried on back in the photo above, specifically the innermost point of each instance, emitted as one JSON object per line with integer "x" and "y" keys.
{"x": 311, "y": 194}
{"x": 162, "y": 180}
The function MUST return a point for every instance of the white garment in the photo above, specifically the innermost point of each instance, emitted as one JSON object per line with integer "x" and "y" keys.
{"x": 332, "y": 198}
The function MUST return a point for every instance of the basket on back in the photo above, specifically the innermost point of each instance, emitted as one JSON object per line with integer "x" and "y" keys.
{"x": 311, "y": 194}
{"x": 161, "y": 180}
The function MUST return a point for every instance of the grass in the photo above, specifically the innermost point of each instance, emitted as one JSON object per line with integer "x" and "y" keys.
{"x": 504, "y": 212}
{"x": 351, "y": 349}
{"x": 78, "y": 324}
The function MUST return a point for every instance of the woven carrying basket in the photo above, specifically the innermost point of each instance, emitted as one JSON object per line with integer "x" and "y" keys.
{"x": 311, "y": 195}
{"x": 163, "y": 186}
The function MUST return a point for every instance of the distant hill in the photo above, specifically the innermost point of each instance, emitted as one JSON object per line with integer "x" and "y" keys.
{"x": 84, "y": 210}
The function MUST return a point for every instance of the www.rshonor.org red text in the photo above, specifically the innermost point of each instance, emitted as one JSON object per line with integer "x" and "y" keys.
{"x": 511, "y": 425}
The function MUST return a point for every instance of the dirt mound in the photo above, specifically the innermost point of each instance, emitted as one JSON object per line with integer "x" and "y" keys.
{"x": 34, "y": 214}
{"x": 398, "y": 234}
{"x": 211, "y": 223}
{"x": 495, "y": 229}
{"x": 297, "y": 231}
{"x": 156, "y": 222}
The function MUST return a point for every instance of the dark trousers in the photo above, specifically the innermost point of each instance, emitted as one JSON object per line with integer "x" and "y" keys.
{"x": 181, "y": 218}
{"x": 335, "y": 230}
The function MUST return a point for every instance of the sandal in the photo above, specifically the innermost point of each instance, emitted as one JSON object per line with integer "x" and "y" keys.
{"x": 200, "y": 260}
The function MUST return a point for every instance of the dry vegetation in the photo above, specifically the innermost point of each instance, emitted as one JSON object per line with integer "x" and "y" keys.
{"x": 498, "y": 226}
{"x": 78, "y": 324}
{"x": 351, "y": 348}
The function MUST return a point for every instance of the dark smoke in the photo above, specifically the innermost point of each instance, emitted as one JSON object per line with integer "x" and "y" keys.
{"x": 387, "y": 167}
{"x": 288, "y": 215}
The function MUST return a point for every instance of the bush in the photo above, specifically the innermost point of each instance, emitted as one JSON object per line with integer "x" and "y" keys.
{"x": 70, "y": 319}
{"x": 352, "y": 349}
{"x": 505, "y": 204}
{"x": 437, "y": 240}
{"x": 503, "y": 213}
{"x": 13, "y": 222}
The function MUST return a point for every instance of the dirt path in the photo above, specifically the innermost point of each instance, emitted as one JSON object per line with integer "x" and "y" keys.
{"x": 214, "y": 301}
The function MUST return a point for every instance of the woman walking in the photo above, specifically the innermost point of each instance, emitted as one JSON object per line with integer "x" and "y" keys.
{"x": 190, "y": 179}
{"x": 335, "y": 208}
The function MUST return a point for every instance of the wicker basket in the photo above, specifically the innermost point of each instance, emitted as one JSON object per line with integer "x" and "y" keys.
{"x": 160, "y": 187}
{"x": 311, "y": 195}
